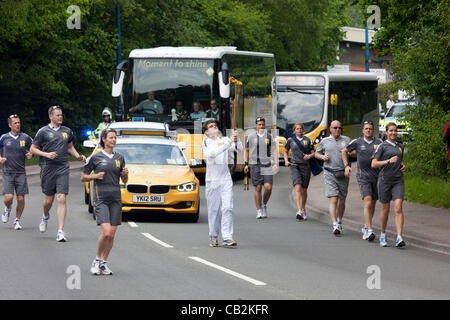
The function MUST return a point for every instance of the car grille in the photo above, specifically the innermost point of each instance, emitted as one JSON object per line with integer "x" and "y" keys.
{"x": 159, "y": 189}
{"x": 137, "y": 188}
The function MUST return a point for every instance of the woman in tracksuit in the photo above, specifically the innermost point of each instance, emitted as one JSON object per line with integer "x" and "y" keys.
{"x": 391, "y": 186}
{"x": 109, "y": 167}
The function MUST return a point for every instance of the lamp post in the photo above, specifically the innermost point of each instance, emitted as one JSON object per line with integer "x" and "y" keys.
{"x": 367, "y": 49}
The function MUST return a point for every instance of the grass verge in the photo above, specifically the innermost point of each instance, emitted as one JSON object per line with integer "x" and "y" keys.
{"x": 427, "y": 190}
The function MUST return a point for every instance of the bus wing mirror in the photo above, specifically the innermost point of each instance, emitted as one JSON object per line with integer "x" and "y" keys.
{"x": 117, "y": 84}
{"x": 119, "y": 75}
{"x": 224, "y": 84}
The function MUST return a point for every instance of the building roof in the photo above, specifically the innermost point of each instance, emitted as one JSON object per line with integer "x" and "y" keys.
{"x": 357, "y": 34}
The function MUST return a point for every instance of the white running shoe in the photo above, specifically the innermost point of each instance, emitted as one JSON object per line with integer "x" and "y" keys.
{"x": 337, "y": 229}
{"x": 399, "y": 242}
{"x": 213, "y": 241}
{"x": 371, "y": 235}
{"x": 259, "y": 214}
{"x": 104, "y": 268}
{"x": 95, "y": 268}
{"x": 303, "y": 214}
{"x": 364, "y": 232}
{"x": 264, "y": 211}
{"x": 61, "y": 236}
{"x": 229, "y": 243}
{"x": 5, "y": 214}
{"x": 17, "y": 225}
{"x": 43, "y": 224}
{"x": 383, "y": 242}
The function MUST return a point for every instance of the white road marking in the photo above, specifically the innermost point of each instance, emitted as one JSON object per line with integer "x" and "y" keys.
{"x": 231, "y": 272}
{"x": 132, "y": 224}
{"x": 162, "y": 243}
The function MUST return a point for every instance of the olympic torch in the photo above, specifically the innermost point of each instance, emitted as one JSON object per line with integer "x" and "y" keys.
{"x": 236, "y": 107}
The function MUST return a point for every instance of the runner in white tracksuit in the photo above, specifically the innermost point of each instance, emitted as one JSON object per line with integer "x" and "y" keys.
{"x": 218, "y": 182}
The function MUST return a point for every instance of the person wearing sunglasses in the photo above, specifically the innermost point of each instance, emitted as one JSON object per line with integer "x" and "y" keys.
{"x": 53, "y": 144}
{"x": 214, "y": 111}
{"x": 388, "y": 157}
{"x": 329, "y": 150}
{"x": 15, "y": 146}
{"x": 218, "y": 182}
{"x": 363, "y": 148}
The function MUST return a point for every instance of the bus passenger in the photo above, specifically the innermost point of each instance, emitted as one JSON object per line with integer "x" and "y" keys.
{"x": 149, "y": 105}
{"x": 214, "y": 111}
{"x": 180, "y": 113}
{"x": 196, "y": 113}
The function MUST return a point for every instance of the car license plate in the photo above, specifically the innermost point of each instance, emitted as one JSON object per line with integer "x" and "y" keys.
{"x": 148, "y": 199}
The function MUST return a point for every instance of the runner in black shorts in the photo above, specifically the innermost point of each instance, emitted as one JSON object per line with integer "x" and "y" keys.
{"x": 300, "y": 168}
{"x": 15, "y": 147}
{"x": 363, "y": 148}
{"x": 109, "y": 167}
{"x": 52, "y": 144}
{"x": 389, "y": 157}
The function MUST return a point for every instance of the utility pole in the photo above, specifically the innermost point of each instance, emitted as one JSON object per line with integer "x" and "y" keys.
{"x": 367, "y": 49}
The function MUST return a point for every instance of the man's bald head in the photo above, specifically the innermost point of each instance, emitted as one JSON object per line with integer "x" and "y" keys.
{"x": 336, "y": 128}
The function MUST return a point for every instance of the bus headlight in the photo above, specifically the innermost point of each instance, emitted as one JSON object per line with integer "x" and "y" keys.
{"x": 320, "y": 137}
{"x": 187, "y": 187}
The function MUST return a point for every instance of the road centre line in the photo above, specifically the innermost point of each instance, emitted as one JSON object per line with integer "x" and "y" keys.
{"x": 231, "y": 272}
{"x": 162, "y": 243}
{"x": 132, "y": 224}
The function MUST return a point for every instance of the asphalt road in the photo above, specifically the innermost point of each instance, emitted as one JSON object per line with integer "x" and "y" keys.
{"x": 278, "y": 258}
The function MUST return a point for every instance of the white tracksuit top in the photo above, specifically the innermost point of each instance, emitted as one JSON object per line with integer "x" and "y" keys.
{"x": 216, "y": 155}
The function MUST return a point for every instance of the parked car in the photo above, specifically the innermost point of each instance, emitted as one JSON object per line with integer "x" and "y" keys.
{"x": 392, "y": 116}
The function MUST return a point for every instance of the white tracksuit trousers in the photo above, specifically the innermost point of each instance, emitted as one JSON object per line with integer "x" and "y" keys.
{"x": 219, "y": 198}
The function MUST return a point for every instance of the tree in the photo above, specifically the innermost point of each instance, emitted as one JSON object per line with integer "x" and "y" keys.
{"x": 304, "y": 34}
{"x": 417, "y": 35}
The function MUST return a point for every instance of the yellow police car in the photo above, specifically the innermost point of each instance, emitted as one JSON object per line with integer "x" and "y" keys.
{"x": 160, "y": 178}
{"x": 392, "y": 116}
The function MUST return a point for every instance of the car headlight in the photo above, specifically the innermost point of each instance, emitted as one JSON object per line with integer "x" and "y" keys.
{"x": 187, "y": 187}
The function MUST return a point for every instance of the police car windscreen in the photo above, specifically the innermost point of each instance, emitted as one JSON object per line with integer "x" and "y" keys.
{"x": 154, "y": 154}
